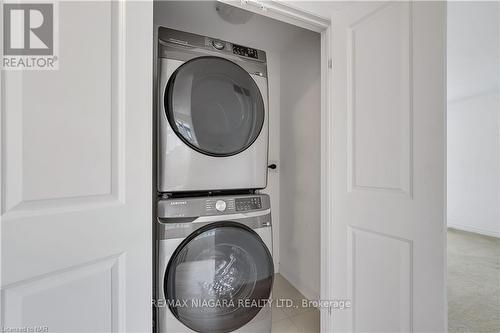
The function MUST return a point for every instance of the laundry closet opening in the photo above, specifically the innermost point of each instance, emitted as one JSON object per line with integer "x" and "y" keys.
{"x": 293, "y": 57}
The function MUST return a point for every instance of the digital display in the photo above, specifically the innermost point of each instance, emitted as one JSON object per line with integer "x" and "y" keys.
{"x": 251, "y": 203}
{"x": 245, "y": 51}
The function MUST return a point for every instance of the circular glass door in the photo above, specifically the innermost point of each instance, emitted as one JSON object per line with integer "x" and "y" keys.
{"x": 219, "y": 278}
{"x": 214, "y": 106}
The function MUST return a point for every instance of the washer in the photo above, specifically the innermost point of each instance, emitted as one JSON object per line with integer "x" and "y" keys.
{"x": 214, "y": 269}
{"x": 213, "y": 121}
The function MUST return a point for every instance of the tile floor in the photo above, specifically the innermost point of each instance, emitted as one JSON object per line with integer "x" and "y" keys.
{"x": 295, "y": 319}
{"x": 473, "y": 283}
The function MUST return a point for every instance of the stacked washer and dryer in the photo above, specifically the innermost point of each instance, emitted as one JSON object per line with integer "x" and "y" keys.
{"x": 214, "y": 266}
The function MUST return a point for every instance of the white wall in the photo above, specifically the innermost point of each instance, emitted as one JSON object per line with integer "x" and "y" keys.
{"x": 300, "y": 164}
{"x": 473, "y": 117}
{"x": 294, "y": 111}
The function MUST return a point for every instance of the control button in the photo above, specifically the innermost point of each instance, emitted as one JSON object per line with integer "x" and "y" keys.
{"x": 219, "y": 45}
{"x": 220, "y": 205}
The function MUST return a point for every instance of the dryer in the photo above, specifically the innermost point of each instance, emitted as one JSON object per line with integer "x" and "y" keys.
{"x": 214, "y": 268}
{"x": 212, "y": 114}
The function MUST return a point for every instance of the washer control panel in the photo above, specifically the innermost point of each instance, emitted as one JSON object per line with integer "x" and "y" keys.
{"x": 212, "y": 206}
{"x": 245, "y": 51}
{"x": 250, "y": 203}
{"x": 243, "y": 204}
{"x": 220, "y": 205}
{"x": 218, "y": 44}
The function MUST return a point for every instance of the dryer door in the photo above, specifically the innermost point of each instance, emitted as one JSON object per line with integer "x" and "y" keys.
{"x": 219, "y": 278}
{"x": 214, "y": 106}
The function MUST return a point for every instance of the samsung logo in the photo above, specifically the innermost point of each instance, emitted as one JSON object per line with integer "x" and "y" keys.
{"x": 177, "y": 203}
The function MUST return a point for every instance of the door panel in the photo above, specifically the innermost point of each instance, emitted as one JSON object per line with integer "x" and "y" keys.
{"x": 43, "y": 172}
{"x": 388, "y": 107}
{"x": 379, "y": 280}
{"x": 379, "y": 109}
{"x": 80, "y": 299}
{"x": 76, "y": 177}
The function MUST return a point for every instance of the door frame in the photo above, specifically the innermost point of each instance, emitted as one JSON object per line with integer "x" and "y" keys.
{"x": 291, "y": 14}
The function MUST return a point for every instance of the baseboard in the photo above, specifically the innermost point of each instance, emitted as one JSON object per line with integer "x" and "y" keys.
{"x": 304, "y": 289}
{"x": 454, "y": 225}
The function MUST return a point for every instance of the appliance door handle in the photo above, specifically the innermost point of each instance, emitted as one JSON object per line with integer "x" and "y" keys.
{"x": 215, "y": 218}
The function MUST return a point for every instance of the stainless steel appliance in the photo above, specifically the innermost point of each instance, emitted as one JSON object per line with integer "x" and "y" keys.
{"x": 213, "y": 114}
{"x": 214, "y": 270}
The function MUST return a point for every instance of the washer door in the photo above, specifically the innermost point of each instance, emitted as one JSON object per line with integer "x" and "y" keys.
{"x": 214, "y": 106}
{"x": 219, "y": 278}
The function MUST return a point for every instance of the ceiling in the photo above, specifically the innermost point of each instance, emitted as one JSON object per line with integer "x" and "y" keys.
{"x": 320, "y": 8}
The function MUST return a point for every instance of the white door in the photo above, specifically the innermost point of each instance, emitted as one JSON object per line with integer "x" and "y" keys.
{"x": 388, "y": 181}
{"x": 76, "y": 177}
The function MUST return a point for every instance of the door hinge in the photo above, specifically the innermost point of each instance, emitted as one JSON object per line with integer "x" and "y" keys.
{"x": 330, "y": 63}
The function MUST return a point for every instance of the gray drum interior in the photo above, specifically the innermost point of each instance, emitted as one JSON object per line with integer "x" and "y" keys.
{"x": 214, "y": 106}
{"x": 215, "y": 275}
